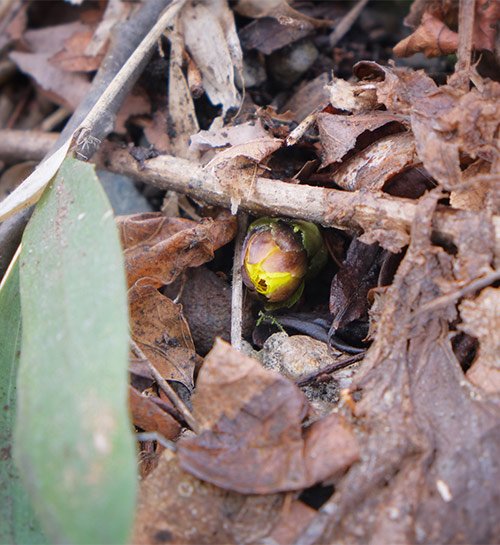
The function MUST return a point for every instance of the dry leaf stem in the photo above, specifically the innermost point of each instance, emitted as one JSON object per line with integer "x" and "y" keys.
{"x": 237, "y": 286}
{"x": 354, "y": 210}
{"x": 165, "y": 386}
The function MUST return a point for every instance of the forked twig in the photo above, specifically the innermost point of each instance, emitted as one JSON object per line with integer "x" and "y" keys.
{"x": 165, "y": 386}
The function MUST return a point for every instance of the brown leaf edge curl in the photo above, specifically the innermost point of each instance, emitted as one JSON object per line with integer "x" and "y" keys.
{"x": 251, "y": 438}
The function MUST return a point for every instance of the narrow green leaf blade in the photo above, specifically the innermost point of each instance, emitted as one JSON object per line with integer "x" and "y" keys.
{"x": 17, "y": 520}
{"x": 73, "y": 437}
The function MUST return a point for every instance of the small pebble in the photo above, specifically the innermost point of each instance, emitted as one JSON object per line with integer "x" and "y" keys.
{"x": 288, "y": 64}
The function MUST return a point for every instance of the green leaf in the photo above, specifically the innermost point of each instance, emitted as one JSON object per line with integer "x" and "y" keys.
{"x": 73, "y": 439}
{"x": 17, "y": 520}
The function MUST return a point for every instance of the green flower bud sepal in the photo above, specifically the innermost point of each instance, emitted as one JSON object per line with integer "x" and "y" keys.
{"x": 279, "y": 255}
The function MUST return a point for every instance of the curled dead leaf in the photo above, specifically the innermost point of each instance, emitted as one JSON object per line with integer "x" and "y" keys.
{"x": 432, "y": 37}
{"x": 148, "y": 416}
{"x": 446, "y": 122}
{"x": 338, "y": 133}
{"x": 160, "y": 248}
{"x": 238, "y": 166}
{"x": 251, "y": 440}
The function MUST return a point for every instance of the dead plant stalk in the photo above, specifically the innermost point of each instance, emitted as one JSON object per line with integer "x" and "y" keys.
{"x": 353, "y": 210}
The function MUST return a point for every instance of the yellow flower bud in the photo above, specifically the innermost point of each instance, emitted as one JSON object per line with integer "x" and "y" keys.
{"x": 275, "y": 259}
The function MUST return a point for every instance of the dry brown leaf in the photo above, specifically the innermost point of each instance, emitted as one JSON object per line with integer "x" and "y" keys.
{"x": 182, "y": 121}
{"x": 351, "y": 97}
{"x": 63, "y": 88}
{"x": 486, "y": 24}
{"x": 473, "y": 196}
{"x": 432, "y": 37}
{"x": 338, "y": 133}
{"x": 135, "y": 104}
{"x": 116, "y": 11}
{"x": 292, "y": 521}
{"x": 161, "y": 332}
{"x": 357, "y": 275}
{"x": 160, "y": 248}
{"x": 156, "y": 131}
{"x": 175, "y": 507}
{"x": 211, "y": 40}
{"x": 256, "y": 150}
{"x": 377, "y": 164}
{"x": 268, "y": 34}
{"x": 445, "y": 121}
{"x": 51, "y": 39}
{"x": 73, "y": 58}
{"x": 309, "y": 97}
{"x": 148, "y": 416}
{"x": 238, "y": 166}
{"x": 280, "y": 10}
{"x": 430, "y": 447}
{"x": 481, "y": 319}
{"x": 206, "y": 305}
{"x": 233, "y": 135}
{"x": 251, "y": 440}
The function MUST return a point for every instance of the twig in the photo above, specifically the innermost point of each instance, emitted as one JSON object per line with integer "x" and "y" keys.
{"x": 25, "y": 145}
{"x": 329, "y": 369}
{"x": 100, "y": 119}
{"x": 466, "y": 15}
{"x": 165, "y": 386}
{"x": 124, "y": 40}
{"x": 357, "y": 210}
{"x": 158, "y": 437}
{"x": 301, "y": 129}
{"x": 237, "y": 286}
{"x": 346, "y": 23}
{"x": 132, "y": 44}
{"x": 54, "y": 119}
{"x": 471, "y": 287}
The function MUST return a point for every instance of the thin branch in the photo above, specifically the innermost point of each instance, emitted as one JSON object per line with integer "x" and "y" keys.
{"x": 448, "y": 298}
{"x": 165, "y": 386}
{"x": 125, "y": 38}
{"x": 158, "y": 437}
{"x": 237, "y": 286}
{"x": 354, "y": 210}
{"x": 346, "y": 22}
{"x": 329, "y": 369}
{"x": 100, "y": 119}
{"x": 94, "y": 118}
{"x": 54, "y": 119}
{"x": 466, "y": 16}
{"x": 25, "y": 145}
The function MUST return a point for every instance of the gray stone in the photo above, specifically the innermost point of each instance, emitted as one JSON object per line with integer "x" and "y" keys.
{"x": 288, "y": 64}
